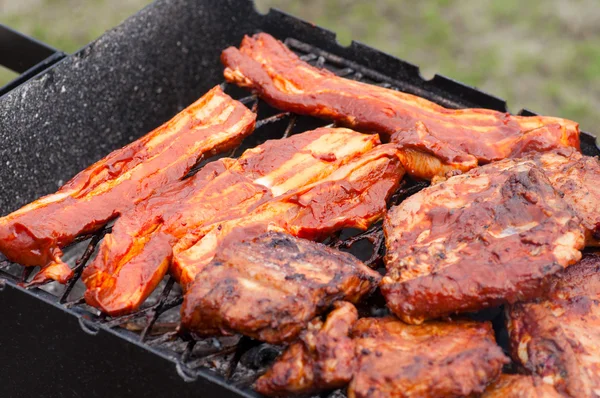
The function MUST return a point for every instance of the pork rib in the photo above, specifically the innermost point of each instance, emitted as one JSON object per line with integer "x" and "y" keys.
{"x": 435, "y": 359}
{"x": 480, "y": 239}
{"x": 35, "y": 234}
{"x": 558, "y": 338}
{"x": 136, "y": 255}
{"x": 321, "y": 359}
{"x": 435, "y": 139}
{"x": 354, "y": 196}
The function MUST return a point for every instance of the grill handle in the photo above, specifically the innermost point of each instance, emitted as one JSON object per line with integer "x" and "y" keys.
{"x": 25, "y": 56}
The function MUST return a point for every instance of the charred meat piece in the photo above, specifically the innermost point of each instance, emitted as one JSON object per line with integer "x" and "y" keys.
{"x": 520, "y": 386}
{"x": 577, "y": 178}
{"x": 558, "y": 339}
{"x": 354, "y": 196}
{"x": 477, "y": 240}
{"x": 271, "y": 287}
{"x": 435, "y": 138}
{"x": 435, "y": 359}
{"x": 35, "y": 234}
{"x": 321, "y": 359}
{"x": 136, "y": 255}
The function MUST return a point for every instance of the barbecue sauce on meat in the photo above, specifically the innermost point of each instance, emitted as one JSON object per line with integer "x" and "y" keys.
{"x": 35, "y": 234}
{"x": 480, "y": 136}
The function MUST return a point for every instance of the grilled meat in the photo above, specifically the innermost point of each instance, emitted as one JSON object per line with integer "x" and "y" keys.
{"x": 321, "y": 359}
{"x": 520, "y": 386}
{"x": 136, "y": 255}
{"x": 577, "y": 178}
{"x": 35, "y": 234}
{"x": 435, "y": 139}
{"x": 558, "y": 339}
{"x": 435, "y": 359}
{"x": 477, "y": 240}
{"x": 271, "y": 286}
{"x": 354, "y": 196}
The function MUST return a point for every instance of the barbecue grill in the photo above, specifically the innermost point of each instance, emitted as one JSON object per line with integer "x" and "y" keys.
{"x": 65, "y": 112}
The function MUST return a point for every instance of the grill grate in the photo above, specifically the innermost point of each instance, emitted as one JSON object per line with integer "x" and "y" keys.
{"x": 240, "y": 360}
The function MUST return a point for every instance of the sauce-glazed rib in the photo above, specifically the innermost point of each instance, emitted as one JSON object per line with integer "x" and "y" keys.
{"x": 436, "y": 359}
{"x": 136, "y": 255}
{"x": 321, "y": 359}
{"x": 270, "y": 287}
{"x": 477, "y": 240}
{"x": 558, "y": 339}
{"x": 520, "y": 386}
{"x": 35, "y": 234}
{"x": 577, "y": 178}
{"x": 354, "y": 196}
{"x": 435, "y": 139}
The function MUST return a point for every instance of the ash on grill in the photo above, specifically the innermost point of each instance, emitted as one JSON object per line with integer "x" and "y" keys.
{"x": 240, "y": 360}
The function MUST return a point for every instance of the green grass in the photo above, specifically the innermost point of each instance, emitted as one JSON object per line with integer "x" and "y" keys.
{"x": 540, "y": 54}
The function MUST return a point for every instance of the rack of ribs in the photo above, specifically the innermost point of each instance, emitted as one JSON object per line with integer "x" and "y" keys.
{"x": 558, "y": 338}
{"x": 435, "y": 139}
{"x": 35, "y": 234}
{"x": 354, "y": 196}
{"x": 135, "y": 257}
{"x": 481, "y": 239}
{"x": 435, "y": 359}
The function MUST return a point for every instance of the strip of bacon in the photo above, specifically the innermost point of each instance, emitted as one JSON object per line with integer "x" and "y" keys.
{"x": 35, "y": 234}
{"x": 352, "y": 197}
{"x": 436, "y": 139}
{"x": 136, "y": 255}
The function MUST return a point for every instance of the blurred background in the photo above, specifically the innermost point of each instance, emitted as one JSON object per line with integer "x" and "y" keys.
{"x": 539, "y": 54}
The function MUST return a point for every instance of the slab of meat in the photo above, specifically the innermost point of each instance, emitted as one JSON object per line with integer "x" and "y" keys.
{"x": 435, "y": 359}
{"x": 270, "y": 287}
{"x": 577, "y": 178}
{"x": 520, "y": 386}
{"x": 354, "y": 196}
{"x": 477, "y": 240}
{"x": 558, "y": 339}
{"x": 321, "y": 359}
{"x": 435, "y": 139}
{"x": 134, "y": 258}
{"x": 35, "y": 234}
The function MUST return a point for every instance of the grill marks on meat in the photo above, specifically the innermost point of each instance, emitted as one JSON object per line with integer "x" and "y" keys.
{"x": 270, "y": 287}
{"x": 434, "y": 138}
{"x": 321, "y": 359}
{"x": 354, "y": 196}
{"x": 520, "y": 386}
{"x": 136, "y": 255}
{"x": 435, "y": 359}
{"x": 558, "y": 339}
{"x": 35, "y": 234}
{"x": 577, "y": 178}
{"x": 478, "y": 240}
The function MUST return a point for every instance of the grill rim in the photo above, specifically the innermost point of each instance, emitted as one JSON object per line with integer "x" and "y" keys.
{"x": 276, "y": 22}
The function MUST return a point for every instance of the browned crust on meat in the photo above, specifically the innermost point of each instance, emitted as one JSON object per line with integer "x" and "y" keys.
{"x": 435, "y": 359}
{"x": 271, "y": 286}
{"x": 558, "y": 339}
{"x": 478, "y": 240}
{"x": 321, "y": 359}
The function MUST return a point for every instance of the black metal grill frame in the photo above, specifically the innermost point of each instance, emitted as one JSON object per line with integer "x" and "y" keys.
{"x": 358, "y": 62}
